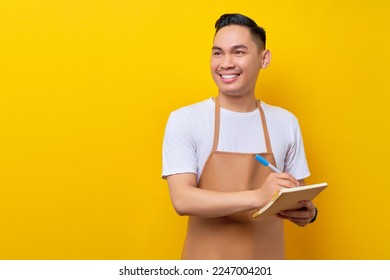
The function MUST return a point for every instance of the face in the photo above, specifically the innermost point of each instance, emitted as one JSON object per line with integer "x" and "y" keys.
{"x": 236, "y": 61}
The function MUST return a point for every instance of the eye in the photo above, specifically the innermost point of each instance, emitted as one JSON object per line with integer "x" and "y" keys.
{"x": 217, "y": 53}
{"x": 238, "y": 52}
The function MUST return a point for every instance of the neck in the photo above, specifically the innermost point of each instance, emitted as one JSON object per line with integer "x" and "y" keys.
{"x": 237, "y": 103}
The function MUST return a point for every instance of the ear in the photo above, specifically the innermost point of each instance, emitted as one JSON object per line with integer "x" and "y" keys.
{"x": 265, "y": 58}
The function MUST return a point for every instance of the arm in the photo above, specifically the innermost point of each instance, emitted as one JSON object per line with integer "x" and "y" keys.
{"x": 297, "y": 164}
{"x": 187, "y": 199}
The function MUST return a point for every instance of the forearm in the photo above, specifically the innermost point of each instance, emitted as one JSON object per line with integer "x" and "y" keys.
{"x": 187, "y": 199}
{"x": 193, "y": 201}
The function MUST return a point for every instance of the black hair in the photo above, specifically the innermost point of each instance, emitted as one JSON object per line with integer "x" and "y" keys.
{"x": 238, "y": 19}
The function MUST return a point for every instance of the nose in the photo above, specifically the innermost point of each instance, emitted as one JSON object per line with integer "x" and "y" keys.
{"x": 227, "y": 63}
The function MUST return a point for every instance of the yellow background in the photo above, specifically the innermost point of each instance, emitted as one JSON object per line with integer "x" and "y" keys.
{"x": 86, "y": 88}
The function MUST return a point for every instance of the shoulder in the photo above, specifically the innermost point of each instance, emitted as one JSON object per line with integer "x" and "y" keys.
{"x": 194, "y": 113}
{"x": 193, "y": 109}
{"x": 191, "y": 120}
{"x": 277, "y": 114}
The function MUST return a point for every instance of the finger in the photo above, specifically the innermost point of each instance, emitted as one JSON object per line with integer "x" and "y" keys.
{"x": 287, "y": 176}
{"x": 298, "y": 214}
{"x": 285, "y": 183}
{"x": 308, "y": 204}
{"x": 282, "y": 175}
{"x": 297, "y": 221}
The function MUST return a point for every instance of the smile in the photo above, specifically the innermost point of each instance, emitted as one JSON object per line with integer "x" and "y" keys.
{"x": 230, "y": 76}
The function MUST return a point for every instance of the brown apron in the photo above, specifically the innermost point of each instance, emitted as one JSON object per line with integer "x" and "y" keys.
{"x": 237, "y": 236}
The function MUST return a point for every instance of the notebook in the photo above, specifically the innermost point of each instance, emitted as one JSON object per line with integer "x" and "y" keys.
{"x": 288, "y": 198}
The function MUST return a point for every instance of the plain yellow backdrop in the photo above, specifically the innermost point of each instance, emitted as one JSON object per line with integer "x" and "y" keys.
{"x": 86, "y": 87}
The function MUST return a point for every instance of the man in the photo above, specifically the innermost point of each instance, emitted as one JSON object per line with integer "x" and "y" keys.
{"x": 209, "y": 155}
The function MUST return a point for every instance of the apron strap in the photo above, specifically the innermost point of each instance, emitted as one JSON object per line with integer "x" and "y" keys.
{"x": 218, "y": 119}
{"x": 216, "y": 123}
{"x": 265, "y": 128}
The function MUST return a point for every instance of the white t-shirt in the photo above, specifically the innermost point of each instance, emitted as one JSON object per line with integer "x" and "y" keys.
{"x": 189, "y": 136}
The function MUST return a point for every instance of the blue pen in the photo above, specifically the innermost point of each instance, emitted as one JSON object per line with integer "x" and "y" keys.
{"x": 265, "y": 162}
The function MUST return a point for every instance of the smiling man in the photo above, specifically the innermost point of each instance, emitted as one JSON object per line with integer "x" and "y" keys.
{"x": 209, "y": 155}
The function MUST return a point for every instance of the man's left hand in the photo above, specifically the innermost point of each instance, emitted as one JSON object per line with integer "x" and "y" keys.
{"x": 301, "y": 216}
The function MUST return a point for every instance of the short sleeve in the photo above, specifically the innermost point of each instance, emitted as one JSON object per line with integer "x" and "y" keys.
{"x": 295, "y": 160}
{"x": 179, "y": 152}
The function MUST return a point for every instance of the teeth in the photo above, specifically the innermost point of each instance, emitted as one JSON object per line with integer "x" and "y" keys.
{"x": 231, "y": 76}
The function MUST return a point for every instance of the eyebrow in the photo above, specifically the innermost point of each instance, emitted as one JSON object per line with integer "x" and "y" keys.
{"x": 216, "y": 48}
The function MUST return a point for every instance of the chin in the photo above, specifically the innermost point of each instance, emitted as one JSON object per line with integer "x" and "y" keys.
{"x": 231, "y": 93}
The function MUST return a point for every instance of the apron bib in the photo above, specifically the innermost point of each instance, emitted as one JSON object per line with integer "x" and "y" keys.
{"x": 237, "y": 236}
